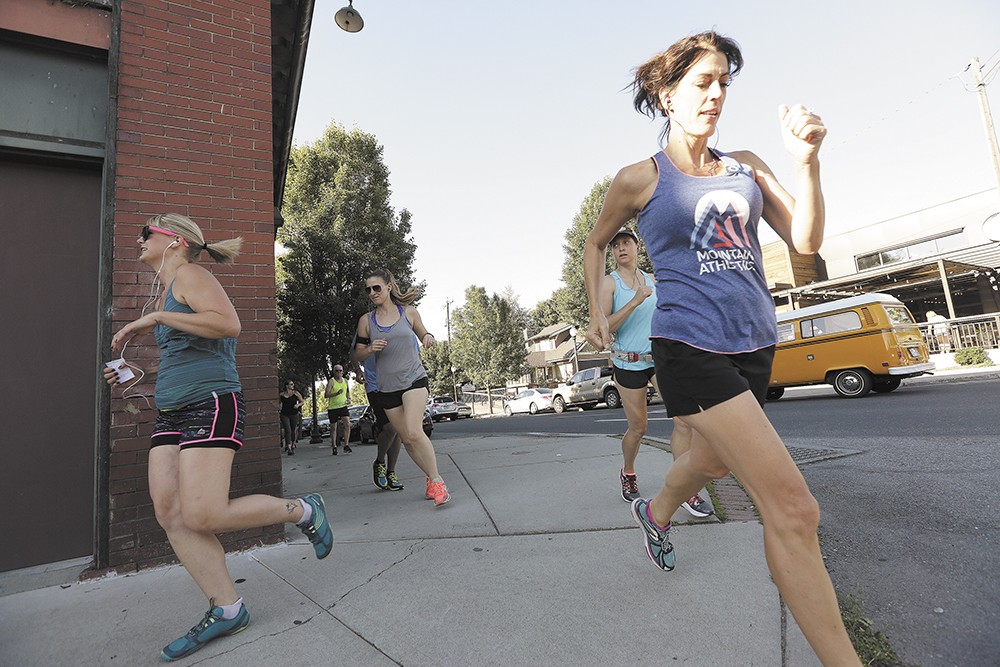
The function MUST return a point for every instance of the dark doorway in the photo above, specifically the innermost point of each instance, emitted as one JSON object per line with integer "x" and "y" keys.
{"x": 49, "y": 262}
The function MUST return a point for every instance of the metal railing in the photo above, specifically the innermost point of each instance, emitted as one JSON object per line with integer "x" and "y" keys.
{"x": 962, "y": 332}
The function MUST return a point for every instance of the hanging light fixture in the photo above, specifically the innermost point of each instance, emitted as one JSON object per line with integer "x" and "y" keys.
{"x": 348, "y": 18}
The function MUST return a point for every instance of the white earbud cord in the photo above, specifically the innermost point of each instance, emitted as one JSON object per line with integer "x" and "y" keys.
{"x": 141, "y": 373}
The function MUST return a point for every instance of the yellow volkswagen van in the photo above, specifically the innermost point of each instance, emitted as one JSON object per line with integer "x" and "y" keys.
{"x": 859, "y": 344}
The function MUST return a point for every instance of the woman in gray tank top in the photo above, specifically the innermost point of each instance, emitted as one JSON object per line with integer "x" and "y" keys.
{"x": 713, "y": 331}
{"x": 391, "y": 332}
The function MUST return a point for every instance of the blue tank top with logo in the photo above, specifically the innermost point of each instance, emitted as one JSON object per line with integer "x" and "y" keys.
{"x": 632, "y": 335}
{"x": 191, "y": 368}
{"x": 701, "y": 236}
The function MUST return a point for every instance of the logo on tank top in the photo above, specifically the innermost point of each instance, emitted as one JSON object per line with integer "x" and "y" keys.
{"x": 720, "y": 236}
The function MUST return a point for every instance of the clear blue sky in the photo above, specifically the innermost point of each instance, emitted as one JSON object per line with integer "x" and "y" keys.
{"x": 497, "y": 118}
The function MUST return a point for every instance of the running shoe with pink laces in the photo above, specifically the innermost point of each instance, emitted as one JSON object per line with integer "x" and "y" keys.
{"x": 697, "y": 507}
{"x": 439, "y": 492}
{"x": 427, "y": 494}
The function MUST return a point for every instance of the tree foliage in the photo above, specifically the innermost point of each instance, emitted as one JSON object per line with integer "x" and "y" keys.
{"x": 570, "y": 301}
{"x": 338, "y": 227}
{"x": 438, "y": 361}
{"x": 488, "y": 338}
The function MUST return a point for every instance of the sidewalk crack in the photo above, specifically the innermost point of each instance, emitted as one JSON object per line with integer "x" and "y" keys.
{"x": 409, "y": 552}
{"x": 496, "y": 529}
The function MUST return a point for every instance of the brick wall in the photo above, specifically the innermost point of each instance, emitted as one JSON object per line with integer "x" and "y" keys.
{"x": 194, "y": 137}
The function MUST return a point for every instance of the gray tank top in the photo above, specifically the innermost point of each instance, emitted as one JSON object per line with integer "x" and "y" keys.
{"x": 399, "y": 363}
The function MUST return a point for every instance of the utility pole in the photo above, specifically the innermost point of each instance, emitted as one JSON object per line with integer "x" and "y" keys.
{"x": 984, "y": 106}
{"x": 447, "y": 315}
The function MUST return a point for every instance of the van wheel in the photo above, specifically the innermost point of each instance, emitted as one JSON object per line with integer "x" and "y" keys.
{"x": 852, "y": 383}
{"x": 885, "y": 386}
{"x": 774, "y": 393}
{"x": 558, "y": 404}
{"x": 612, "y": 398}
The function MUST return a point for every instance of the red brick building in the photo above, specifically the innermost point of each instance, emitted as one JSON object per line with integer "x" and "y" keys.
{"x": 112, "y": 112}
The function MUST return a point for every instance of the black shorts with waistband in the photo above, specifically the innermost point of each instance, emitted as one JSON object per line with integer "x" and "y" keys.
{"x": 692, "y": 380}
{"x": 387, "y": 400}
{"x": 633, "y": 379}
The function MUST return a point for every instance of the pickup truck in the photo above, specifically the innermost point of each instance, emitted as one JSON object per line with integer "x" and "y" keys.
{"x": 586, "y": 389}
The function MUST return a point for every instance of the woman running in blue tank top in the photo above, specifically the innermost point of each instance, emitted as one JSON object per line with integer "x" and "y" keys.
{"x": 626, "y": 299}
{"x": 714, "y": 329}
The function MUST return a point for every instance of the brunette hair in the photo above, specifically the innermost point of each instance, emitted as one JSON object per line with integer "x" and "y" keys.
{"x": 223, "y": 252}
{"x": 398, "y": 296}
{"x": 667, "y": 68}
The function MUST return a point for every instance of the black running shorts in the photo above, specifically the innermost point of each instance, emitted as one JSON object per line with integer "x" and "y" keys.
{"x": 692, "y": 380}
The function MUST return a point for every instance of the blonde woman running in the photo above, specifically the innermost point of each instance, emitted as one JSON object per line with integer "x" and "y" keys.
{"x": 388, "y": 332}
{"x": 200, "y": 425}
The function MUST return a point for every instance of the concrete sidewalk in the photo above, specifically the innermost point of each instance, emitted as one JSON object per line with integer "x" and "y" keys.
{"x": 536, "y": 560}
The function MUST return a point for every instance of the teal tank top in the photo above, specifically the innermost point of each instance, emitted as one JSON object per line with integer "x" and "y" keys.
{"x": 192, "y": 368}
{"x": 633, "y": 334}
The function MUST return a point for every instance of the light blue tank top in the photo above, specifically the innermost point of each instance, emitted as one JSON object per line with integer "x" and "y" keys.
{"x": 701, "y": 235}
{"x": 399, "y": 363}
{"x": 633, "y": 334}
{"x": 192, "y": 368}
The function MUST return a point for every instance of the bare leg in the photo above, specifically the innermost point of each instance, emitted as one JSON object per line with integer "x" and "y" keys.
{"x": 634, "y": 403}
{"x": 386, "y": 438}
{"x": 346, "y": 423}
{"x": 737, "y": 435}
{"x": 190, "y": 493}
{"x": 407, "y": 419}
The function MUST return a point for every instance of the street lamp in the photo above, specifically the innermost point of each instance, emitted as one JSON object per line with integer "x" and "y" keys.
{"x": 348, "y": 18}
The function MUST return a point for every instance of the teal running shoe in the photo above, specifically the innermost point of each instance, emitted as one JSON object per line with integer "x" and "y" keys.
{"x": 211, "y": 627}
{"x": 394, "y": 483}
{"x": 378, "y": 475}
{"x": 658, "y": 546}
{"x": 318, "y": 529}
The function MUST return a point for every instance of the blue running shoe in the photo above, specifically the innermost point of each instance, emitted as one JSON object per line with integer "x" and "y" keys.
{"x": 379, "y": 475}
{"x": 394, "y": 483}
{"x": 658, "y": 546}
{"x": 211, "y": 627}
{"x": 318, "y": 529}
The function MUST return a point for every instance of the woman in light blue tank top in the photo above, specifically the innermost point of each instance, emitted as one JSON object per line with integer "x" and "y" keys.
{"x": 200, "y": 425}
{"x": 388, "y": 332}
{"x": 697, "y": 210}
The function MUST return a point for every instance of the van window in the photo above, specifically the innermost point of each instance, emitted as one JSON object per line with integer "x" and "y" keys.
{"x": 786, "y": 332}
{"x": 898, "y": 315}
{"x": 829, "y": 324}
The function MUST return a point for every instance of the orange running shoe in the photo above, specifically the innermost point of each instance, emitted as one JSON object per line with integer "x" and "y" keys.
{"x": 440, "y": 492}
{"x": 429, "y": 495}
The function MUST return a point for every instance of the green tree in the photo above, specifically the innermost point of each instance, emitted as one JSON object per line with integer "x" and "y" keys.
{"x": 438, "y": 362}
{"x": 338, "y": 227}
{"x": 571, "y": 301}
{"x": 488, "y": 338}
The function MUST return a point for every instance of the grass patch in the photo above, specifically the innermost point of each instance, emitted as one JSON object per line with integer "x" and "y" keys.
{"x": 872, "y": 645}
{"x": 720, "y": 509}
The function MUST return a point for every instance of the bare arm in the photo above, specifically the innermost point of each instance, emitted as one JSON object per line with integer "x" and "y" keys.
{"x": 628, "y": 193}
{"x": 364, "y": 350}
{"x": 799, "y": 222}
{"x": 214, "y": 315}
{"x": 617, "y": 318}
{"x": 426, "y": 337}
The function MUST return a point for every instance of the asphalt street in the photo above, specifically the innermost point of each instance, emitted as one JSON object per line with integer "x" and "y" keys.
{"x": 908, "y": 486}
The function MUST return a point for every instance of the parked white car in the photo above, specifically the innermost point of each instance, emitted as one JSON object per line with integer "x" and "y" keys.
{"x": 530, "y": 401}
